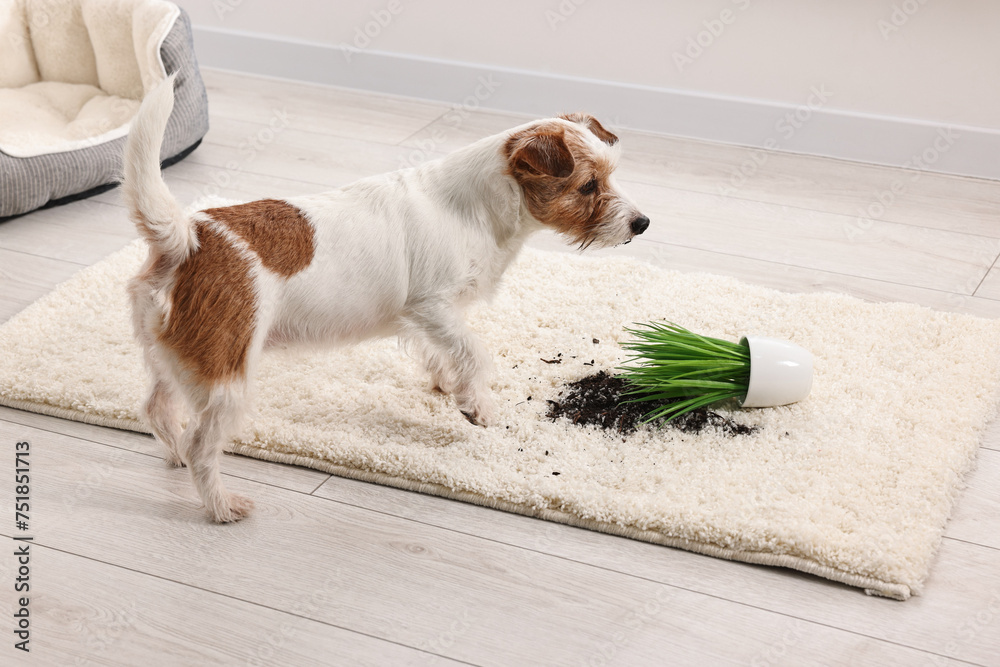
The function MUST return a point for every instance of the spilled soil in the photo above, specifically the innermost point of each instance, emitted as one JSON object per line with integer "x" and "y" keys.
{"x": 598, "y": 400}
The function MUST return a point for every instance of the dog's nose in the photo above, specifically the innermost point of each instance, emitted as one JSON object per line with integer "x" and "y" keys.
{"x": 640, "y": 224}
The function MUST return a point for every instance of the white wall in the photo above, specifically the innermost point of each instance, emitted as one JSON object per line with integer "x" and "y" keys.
{"x": 880, "y": 63}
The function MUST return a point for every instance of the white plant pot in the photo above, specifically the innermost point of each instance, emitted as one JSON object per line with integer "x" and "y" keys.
{"x": 780, "y": 372}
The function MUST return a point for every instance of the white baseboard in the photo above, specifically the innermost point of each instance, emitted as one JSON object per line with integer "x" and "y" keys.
{"x": 815, "y": 127}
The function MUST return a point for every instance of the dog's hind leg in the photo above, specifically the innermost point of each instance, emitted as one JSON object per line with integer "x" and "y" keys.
{"x": 219, "y": 412}
{"x": 162, "y": 413}
{"x": 163, "y": 407}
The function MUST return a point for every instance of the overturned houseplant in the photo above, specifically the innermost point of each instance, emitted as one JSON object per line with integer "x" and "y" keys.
{"x": 691, "y": 371}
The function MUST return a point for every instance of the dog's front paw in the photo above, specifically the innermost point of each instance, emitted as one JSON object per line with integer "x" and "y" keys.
{"x": 231, "y": 507}
{"x": 483, "y": 413}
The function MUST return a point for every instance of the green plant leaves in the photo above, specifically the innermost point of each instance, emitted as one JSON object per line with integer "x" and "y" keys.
{"x": 670, "y": 362}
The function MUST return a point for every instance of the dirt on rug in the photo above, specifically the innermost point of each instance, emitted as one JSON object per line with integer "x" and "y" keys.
{"x": 599, "y": 400}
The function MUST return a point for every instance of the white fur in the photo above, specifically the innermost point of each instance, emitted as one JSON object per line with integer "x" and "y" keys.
{"x": 155, "y": 211}
{"x": 397, "y": 254}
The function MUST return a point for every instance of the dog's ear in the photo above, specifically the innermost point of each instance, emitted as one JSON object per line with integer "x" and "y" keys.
{"x": 591, "y": 124}
{"x": 541, "y": 152}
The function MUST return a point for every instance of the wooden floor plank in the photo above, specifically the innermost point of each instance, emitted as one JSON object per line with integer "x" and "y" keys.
{"x": 461, "y": 129}
{"x": 88, "y": 612}
{"x": 780, "y": 276}
{"x": 885, "y": 251}
{"x": 976, "y": 519}
{"x": 82, "y": 233}
{"x": 860, "y": 191}
{"x": 296, "y": 153}
{"x": 990, "y": 288}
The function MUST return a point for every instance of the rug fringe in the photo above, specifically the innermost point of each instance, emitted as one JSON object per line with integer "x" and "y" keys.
{"x": 75, "y": 415}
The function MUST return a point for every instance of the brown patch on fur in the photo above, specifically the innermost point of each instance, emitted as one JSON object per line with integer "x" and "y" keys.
{"x": 212, "y": 310}
{"x": 561, "y": 201}
{"x": 593, "y": 125}
{"x": 275, "y": 230}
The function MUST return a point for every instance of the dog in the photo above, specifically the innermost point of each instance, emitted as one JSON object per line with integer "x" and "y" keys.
{"x": 397, "y": 254}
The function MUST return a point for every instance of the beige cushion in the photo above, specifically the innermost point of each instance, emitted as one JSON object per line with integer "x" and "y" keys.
{"x": 72, "y": 72}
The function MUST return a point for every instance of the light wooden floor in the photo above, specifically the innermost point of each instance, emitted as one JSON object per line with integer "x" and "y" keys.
{"x": 125, "y": 569}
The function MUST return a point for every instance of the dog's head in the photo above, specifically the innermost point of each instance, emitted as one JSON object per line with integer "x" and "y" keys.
{"x": 564, "y": 167}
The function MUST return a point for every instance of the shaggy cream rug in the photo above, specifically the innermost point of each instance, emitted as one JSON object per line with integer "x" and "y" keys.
{"x": 854, "y": 484}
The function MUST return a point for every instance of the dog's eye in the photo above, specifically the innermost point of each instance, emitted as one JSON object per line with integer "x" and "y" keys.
{"x": 589, "y": 187}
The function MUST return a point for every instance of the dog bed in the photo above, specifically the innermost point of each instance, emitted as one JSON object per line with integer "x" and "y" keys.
{"x": 72, "y": 75}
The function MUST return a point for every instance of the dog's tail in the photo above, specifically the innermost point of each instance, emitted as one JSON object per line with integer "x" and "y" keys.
{"x": 155, "y": 212}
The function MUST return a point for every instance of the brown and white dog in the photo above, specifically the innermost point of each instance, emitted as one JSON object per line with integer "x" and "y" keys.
{"x": 396, "y": 254}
